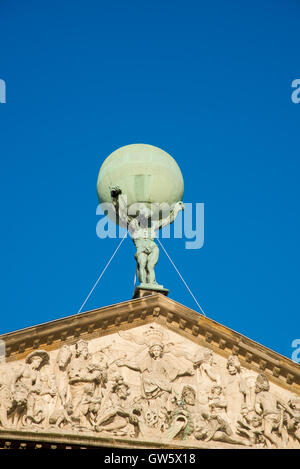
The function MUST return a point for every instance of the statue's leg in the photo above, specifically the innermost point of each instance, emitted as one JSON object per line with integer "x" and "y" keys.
{"x": 268, "y": 432}
{"x": 152, "y": 261}
{"x": 141, "y": 259}
{"x": 30, "y": 408}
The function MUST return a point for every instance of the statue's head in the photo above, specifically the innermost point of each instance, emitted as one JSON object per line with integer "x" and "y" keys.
{"x": 188, "y": 395}
{"x": 120, "y": 387}
{"x": 208, "y": 357}
{"x": 20, "y": 399}
{"x": 81, "y": 349}
{"x": 216, "y": 389}
{"x": 69, "y": 408}
{"x": 254, "y": 419}
{"x": 262, "y": 383}
{"x": 64, "y": 357}
{"x": 36, "y": 362}
{"x": 144, "y": 212}
{"x": 37, "y": 359}
{"x": 294, "y": 402}
{"x": 156, "y": 350}
{"x": 233, "y": 365}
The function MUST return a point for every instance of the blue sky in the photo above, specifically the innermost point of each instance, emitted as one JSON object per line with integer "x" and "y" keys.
{"x": 210, "y": 83}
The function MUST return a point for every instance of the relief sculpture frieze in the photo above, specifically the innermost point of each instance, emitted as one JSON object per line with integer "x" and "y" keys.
{"x": 151, "y": 384}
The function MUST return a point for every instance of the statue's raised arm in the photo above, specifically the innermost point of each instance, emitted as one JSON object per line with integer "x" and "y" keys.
{"x": 120, "y": 204}
{"x": 172, "y": 215}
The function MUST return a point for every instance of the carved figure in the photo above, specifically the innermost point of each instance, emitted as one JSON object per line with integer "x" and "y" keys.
{"x": 158, "y": 369}
{"x": 62, "y": 416}
{"x": 142, "y": 229}
{"x": 293, "y": 423}
{"x": 185, "y": 416}
{"x": 84, "y": 376}
{"x": 63, "y": 408}
{"x": 170, "y": 389}
{"x": 28, "y": 388}
{"x": 206, "y": 375}
{"x": 249, "y": 424}
{"x": 215, "y": 425}
{"x": 6, "y": 401}
{"x": 272, "y": 410}
{"x": 235, "y": 389}
{"x": 115, "y": 413}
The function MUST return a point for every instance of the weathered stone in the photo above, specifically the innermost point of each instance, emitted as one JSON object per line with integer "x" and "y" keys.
{"x": 141, "y": 384}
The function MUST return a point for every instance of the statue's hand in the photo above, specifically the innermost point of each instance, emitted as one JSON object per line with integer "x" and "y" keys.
{"x": 115, "y": 191}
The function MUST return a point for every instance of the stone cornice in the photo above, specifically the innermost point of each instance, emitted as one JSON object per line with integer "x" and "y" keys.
{"x": 14, "y": 439}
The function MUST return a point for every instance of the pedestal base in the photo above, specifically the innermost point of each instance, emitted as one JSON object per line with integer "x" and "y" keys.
{"x": 144, "y": 290}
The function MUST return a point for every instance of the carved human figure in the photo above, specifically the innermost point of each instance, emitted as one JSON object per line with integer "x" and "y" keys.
{"x": 63, "y": 408}
{"x": 116, "y": 412}
{"x": 249, "y": 424}
{"x": 61, "y": 416}
{"x": 158, "y": 369}
{"x": 84, "y": 377}
{"x": 6, "y": 400}
{"x": 272, "y": 410}
{"x": 293, "y": 423}
{"x": 205, "y": 372}
{"x": 63, "y": 361}
{"x": 186, "y": 417}
{"x": 235, "y": 388}
{"x": 217, "y": 402}
{"x": 217, "y": 426}
{"x": 142, "y": 229}
{"x": 28, "y": 389}
{"x": 46, "y": 399}
{"x": 90, "y": 406}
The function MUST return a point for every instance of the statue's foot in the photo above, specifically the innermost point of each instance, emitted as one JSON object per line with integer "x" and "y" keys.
{"x": 151, "y": 286}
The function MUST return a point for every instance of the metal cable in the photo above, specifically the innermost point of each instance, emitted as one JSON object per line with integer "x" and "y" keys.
{"x": 181, "y": 278}
{"x": 100, "y": 276}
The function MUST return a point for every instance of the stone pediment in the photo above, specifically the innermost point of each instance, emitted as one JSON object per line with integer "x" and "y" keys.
{"x": 145, "y": 373}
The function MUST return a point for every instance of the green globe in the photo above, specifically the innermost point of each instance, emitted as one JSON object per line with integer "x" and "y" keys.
{"x": 145, "y": 174}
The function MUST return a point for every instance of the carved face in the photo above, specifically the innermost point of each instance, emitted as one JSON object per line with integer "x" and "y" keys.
{"x": 189, "y": 397}
{"x": 122, "y": 391}
{"x": 294, "y": 403}
{"x": 64, "y": 357}
{"x": 232, "y": 370}
{"x": 36, "y": 362}
{"x": 256, "y": 422}
{"x": 253, "y": 419}
{"x": 156, "y": 351}
{"x": 82, "y": 350}
{"x": 217, "y": 390}
{"x": 20, "y": 398}
{"x": 208, "y": 358}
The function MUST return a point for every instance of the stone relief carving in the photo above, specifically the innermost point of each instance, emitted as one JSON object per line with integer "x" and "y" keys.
{"x": 149, "y": 383}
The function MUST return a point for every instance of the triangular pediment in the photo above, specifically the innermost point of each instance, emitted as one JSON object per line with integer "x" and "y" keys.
{"x": 145, "y": 373}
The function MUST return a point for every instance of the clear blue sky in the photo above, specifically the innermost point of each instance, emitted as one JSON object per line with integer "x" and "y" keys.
{"x": 210, "y": 83}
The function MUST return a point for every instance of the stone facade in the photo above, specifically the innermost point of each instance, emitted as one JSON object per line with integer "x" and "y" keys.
{"x": 147, "y": 373}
